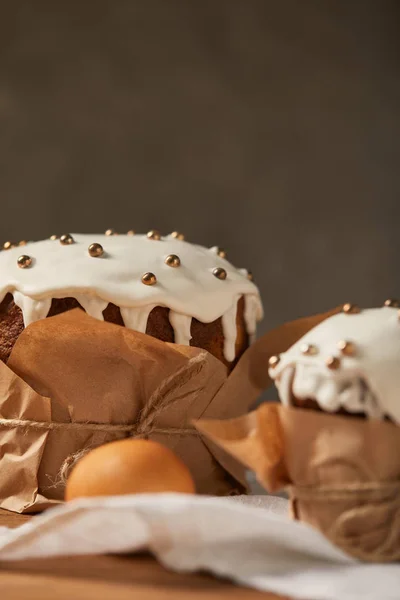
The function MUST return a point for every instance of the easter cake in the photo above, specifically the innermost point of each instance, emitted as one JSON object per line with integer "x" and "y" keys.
{"x": 333, "y": 442}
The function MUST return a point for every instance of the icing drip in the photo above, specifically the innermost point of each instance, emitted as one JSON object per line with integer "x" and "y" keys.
{"x": 136, "y": 318}
{"x": 93, "y": 306}
{"x": 251, "y": 315}
{"x": 32, "y": 310}
{"x": 230, "y": 331}
{"x": 181, "y": 325}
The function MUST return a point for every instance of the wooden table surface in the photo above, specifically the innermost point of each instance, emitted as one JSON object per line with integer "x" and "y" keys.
{"x": 108, "y": 577}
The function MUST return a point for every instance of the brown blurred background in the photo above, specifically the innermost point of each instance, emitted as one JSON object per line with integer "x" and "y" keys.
{"x": 270, "y": 128}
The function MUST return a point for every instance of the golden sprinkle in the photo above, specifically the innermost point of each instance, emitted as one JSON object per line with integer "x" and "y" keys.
{"x": 250, "y": 276}
{"x": 351, "y": 309}
{"x": 177, "y": 235}
{"x": 149, "y": 279}
{"x": 54, "y": 237}
{"x": 154, "y": 235}
{"x": 392, "y": 303}
{"x": 221, "y": 252}
{"x": 219, "y": 273}
{"x": 347, "y": 348}
{"x": 309, "y": 349}
{"x": 332, "y": 363}
{"x": 24, "y": 261}
{"x": 66, "y": 239}
{"x": 8, "y": 245}
{"x": 172, "y": 260}
{"x": 22, "y": 243}
{"x": 96, "y": 250}
{"x": 273, "y": 361}
{"x": 131, "y": 232}
{"x": 110, "y": 232}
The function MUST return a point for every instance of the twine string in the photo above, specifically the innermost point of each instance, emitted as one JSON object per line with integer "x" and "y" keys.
{"x": 367, "y": 525}
{"x": 87, "y": 426}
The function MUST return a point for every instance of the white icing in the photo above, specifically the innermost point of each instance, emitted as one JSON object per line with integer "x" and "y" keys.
{"x": 92, "y": 305}
{"x": 136, "y": 318}
{"x": 32, "y": 309}
{"x": 181, "y": 325}
{"x": 251, "y": 316}
{"x": 191, "y": 290}
{"x": 368, "y": 381}
{"x": 229, "y": 328}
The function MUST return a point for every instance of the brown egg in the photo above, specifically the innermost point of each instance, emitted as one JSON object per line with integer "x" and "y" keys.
{"x": 129, "y": 467}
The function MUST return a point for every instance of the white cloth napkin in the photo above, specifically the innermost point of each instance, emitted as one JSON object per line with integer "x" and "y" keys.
{"x": 248, "y": 540}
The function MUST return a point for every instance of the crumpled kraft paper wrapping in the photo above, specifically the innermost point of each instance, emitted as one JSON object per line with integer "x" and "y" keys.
{"x": 73, "y": 383}
{"x": 250, "y": 377}
{"x": 342, "y": 473}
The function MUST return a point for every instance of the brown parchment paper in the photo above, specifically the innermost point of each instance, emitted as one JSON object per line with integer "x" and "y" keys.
{"x": 73, "y": 383}
{"x": 250, "y": 377}
{"x": 342, "y": 473}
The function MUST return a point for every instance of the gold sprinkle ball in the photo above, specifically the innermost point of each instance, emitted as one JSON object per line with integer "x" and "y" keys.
{"x": 24, "y": 261}
{"x": 96, "y": 250}
{"x": 250, "y": 276}
{"x": 309, "y": 349}
{"x": 273, "y": 361}
{"x": 219, "y": 273}
{"x": 347, "y": 348}
{"x": 110, "y": 232}
{"x": 392, "y": 303}
{"x": 332, "y": 363}
{"x": 149, "y": 279}
{"x": 22, "y": 243}
{"x": 172, "y": 260}
{"x": 8, "y": 245}
{"x": 221, "y": 252}
{"x": 178, "y": 236}
{"x": 54, "y": 237}
{"x": 351, "y": 309}
{"x": 154, "y": 235}
{"x": 131, "y": 232}
{"x": 66, "y": 239}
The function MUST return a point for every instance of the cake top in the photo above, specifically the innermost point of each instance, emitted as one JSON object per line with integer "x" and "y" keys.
{"x": 134, "y": 272}
{"x": 351, "y": 360}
